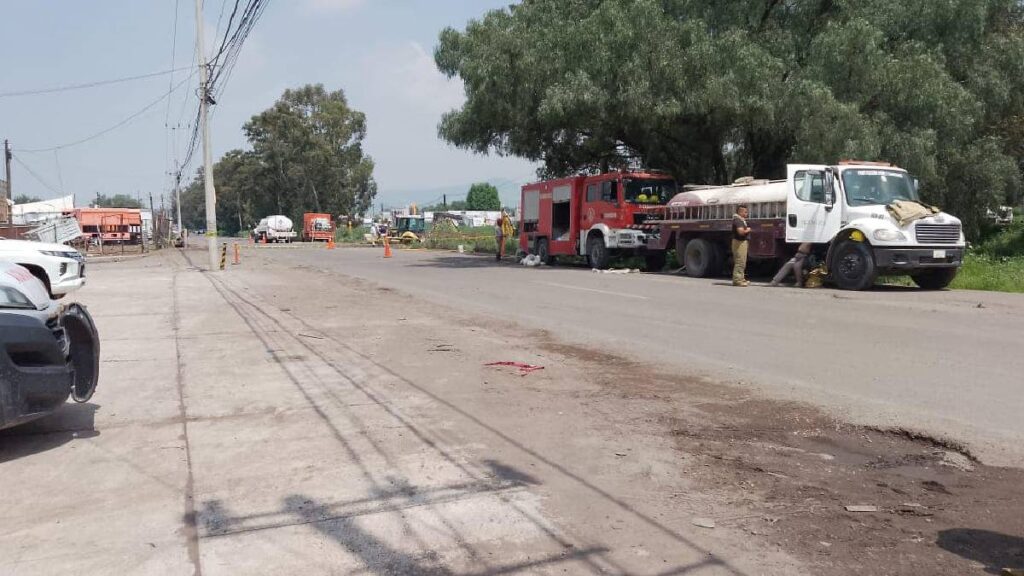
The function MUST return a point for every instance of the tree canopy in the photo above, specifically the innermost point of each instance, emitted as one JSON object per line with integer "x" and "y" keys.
{"x": 483, "y": 196}
{"x": 717, "y": 90}
{"x": 116, "y": 201}
{"x": 306, "y": 156}
{"x": 26, "y": 199}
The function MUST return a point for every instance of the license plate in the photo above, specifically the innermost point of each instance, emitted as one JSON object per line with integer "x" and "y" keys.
{"x": 938, "y": 253}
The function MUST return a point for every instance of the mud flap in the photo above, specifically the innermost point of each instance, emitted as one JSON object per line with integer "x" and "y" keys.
{"x": 83, "y": 351}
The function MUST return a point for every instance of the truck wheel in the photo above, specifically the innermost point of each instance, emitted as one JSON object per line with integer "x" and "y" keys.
{"x": 853, "y": 266}
{"x": 700, "y": 258}
{"x": 934, "y": 279}
{"x": 543, "y": 253}
{"x": 654, "y": 261}
{"x": 597, "y": 253}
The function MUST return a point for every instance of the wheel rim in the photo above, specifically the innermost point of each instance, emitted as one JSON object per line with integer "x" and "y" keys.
{"x": 596, "y": 252}
{"x": 851, "y": 265}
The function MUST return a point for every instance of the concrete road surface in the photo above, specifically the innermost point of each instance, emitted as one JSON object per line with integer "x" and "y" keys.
{"x": 947, "y": 364}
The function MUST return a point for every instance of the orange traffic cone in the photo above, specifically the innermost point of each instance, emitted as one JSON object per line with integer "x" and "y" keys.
{"x": 387, "y": 248}
{"x": 330, "y": 243}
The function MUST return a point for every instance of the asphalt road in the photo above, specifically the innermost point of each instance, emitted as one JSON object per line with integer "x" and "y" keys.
{"x": 946, "y": 364}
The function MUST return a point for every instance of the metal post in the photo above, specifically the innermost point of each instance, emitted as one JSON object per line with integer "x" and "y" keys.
{"x": 9, "y": 195}
{"x": 204, "y": 102}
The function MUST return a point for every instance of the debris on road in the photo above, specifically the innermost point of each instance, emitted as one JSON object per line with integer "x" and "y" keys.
{"x": 704, "y": 522}
{"x": 524, "y": 369}
{"x": 617, "y": 271}
{"x": 531, "y": 260}
{"x": 312, "y": 336}
{"x": 861, "y": 508}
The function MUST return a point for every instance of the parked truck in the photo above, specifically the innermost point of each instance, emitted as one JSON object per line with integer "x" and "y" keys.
{"x": 594, "y": 216}
{"x": 275, "y": 228}
{"x": 863, "y": 219}
{"x": 317, "y": 227}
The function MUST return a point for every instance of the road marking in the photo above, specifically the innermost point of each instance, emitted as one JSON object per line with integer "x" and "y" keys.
{"x": 605, "y": 292}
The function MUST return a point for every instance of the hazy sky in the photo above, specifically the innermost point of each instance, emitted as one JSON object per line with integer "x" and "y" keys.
{"x": 378, "y": 51}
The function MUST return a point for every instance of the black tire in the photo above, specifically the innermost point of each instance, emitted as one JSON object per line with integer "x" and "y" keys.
{"x": 700, "y": 258}
{"x": 654, "y": 261}
{"x": 934, "y": 279}
{"x": 544, "y": 253}
{"x": 597, "y": 252}
{"x": 853, "y": 266}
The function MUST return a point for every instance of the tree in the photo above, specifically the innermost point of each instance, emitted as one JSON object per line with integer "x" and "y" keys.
{"x": 717, "y": 90}
{"x": 25, "y": 199}
{"x": 483, "y": 196}
{"x": 116, "y": 201}
{"x": 306, "y": 156}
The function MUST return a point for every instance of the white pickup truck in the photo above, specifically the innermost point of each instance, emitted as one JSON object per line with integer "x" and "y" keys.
{"x": 61, "y": 268}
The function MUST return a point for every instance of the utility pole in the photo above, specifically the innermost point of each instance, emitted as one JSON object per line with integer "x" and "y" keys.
{"x": 9, "y": 195}
{"x": 152, "y": 214}
{"x": 204, "y": 103}
{"x": 177, "y": 199}
{"x": 445, "y": 201}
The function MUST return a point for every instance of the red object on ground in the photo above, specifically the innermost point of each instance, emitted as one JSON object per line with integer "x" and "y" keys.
{"x": 524, "y": 369}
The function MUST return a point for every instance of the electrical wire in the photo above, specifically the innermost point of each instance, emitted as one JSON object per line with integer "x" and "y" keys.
{"x": 37, "y": 177}
{"x": 90, "y": 84}
{"x": 115, "y": 126}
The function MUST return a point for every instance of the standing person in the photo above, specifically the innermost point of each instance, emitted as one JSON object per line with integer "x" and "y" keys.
{"x": 740, "y": 244}
{"x": 499, "y": 236}
{"x": 796, "y": 265}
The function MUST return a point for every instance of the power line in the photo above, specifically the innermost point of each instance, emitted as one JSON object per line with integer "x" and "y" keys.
{"x": 90, "y": 84}
{"x": 36, "y": 176}
{"x": 115, "y": 126}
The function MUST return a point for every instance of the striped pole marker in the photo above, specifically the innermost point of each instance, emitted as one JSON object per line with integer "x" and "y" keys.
{"x": 223, "y": 255}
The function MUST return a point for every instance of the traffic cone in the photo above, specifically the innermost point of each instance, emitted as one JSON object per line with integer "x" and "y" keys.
{"x": 330, "y": 243}
{"x": 387, "y": 248}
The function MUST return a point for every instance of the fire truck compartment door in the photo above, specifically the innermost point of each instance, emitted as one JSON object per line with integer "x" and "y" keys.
{"x": 531, "y": 206}
{"x": 561, "y": 194}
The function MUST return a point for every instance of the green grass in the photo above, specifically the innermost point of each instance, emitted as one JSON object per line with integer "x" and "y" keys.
{"x": 992, "y": 273}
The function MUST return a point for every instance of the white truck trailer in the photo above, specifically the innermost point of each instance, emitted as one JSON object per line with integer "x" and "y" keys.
{"x": 864, "y": 219}
{"x": 275, "y": 228}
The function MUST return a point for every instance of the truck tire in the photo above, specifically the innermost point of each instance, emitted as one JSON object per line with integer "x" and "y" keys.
{"x": 934, "y": 279}
{"x": 544, "y": 253}
{"x": 654, "y": 261}
{"x": 853, "y": 266}
{"x": 597, "y": 253}
{"x": 700, "y": 258}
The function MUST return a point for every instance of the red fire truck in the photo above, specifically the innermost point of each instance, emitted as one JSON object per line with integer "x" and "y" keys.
{"x": 593, "y": 216}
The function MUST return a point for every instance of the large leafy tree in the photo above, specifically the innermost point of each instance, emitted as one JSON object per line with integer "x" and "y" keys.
{"x": 306, "y": 156}
{"x": 716, "y": 90}
{"x": 483, "y": 196}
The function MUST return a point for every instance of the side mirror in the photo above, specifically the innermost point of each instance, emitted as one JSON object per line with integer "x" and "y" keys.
{"x": 830, "y": 190}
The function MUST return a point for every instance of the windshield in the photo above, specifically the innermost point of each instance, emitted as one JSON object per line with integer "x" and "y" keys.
{"x": 414, "y": 225}
{"x": 649, "y": 191}
{"x": 867, "y": 187}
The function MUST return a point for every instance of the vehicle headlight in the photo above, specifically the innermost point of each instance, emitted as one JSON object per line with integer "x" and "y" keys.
{"x": 13, "y": 298}
{"x": 57, "y": 254}
{"x": 888, "y": 235}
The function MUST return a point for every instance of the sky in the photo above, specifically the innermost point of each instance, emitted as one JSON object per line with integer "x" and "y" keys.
{"x": 378, "y": 51}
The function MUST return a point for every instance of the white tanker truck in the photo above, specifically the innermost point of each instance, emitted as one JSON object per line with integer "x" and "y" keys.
{"x": 275, "y": 228}
{"x": 863, "y": 218}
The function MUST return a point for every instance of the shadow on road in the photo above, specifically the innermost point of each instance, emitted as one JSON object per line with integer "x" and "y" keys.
{"x": 71, "y": 421}
{"x": 996, "y": 551}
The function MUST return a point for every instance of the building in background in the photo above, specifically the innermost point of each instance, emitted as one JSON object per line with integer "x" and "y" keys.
{"x": 45, "y": 210}
{"x": 106, "y": 225}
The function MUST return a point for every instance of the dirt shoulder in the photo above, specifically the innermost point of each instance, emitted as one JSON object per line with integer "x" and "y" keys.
{"x": 753, "y": 481}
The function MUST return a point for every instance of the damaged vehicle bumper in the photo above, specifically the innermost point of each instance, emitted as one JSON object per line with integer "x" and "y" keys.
{"x": 45, "y": 360}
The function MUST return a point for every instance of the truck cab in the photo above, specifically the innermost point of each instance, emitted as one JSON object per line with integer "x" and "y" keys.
{"x": 871, "y": 218}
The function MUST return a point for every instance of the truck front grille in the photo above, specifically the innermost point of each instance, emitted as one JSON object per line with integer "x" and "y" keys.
{"x": 937, "y": 233}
